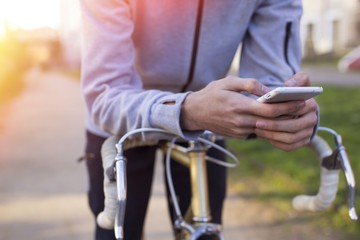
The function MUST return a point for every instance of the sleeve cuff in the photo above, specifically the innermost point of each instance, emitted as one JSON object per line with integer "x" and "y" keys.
{"x": 165, "y": 114}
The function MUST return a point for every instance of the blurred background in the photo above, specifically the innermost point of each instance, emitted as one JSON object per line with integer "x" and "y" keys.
{"x": 43, "y": 188}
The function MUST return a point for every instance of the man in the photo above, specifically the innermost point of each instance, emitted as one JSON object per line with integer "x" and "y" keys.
{"x": 164, "y": 64}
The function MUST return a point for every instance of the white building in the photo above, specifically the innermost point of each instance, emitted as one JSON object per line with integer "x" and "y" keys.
{"x": 330, "y": 26}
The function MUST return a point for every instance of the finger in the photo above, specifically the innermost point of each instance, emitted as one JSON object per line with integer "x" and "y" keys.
{"x": 310, "y": 106}
{"x": 285, "y": 137}
{"x": 275, "y": 110}
{"x": 299, "y": 79}
{"x": 288, "y": 125}
{"x": 290, "y": 147}
{"x": 249, "y": 85}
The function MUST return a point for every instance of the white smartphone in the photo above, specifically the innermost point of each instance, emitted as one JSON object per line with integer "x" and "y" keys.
{"x": 285, "y": 94}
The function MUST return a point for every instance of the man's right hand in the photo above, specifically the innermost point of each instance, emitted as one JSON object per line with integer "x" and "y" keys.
{"x": 221, "y": 108}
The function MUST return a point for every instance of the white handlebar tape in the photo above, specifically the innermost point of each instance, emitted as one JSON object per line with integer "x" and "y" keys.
{"x": 328, "y": 182}
{"x": 106, "y": 218}
{"x": 324, "y": 198}
{"x": 320, "y": 147}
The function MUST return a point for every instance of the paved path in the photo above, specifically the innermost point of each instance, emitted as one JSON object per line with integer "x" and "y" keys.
{"x": 43, "y": 188}
{"x": 329, "y": 75}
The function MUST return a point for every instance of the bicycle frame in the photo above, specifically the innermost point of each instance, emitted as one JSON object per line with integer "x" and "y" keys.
{"x": 193, "y": 158}
{"x": 198, "y": 223}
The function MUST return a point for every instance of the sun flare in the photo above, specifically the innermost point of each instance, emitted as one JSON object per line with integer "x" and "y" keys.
{"x": 29, "y": 14}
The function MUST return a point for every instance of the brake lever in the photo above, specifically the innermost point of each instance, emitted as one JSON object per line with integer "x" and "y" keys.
{"x": 340, "y": 160}
{"x": 349, "y": 175}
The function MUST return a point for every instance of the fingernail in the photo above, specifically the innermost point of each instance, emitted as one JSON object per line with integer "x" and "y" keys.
{"x": 260, "y": 124}
{"x": 291, "y": 82}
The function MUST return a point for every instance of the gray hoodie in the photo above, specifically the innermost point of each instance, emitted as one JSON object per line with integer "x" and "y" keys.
{"x": 139, "y": 54}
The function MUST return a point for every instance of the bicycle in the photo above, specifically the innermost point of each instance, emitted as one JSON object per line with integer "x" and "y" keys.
{"x": 197, "y": 223}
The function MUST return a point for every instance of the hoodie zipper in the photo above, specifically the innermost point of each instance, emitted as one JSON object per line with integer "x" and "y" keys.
{"x": 195, "y": 46}
{"x": 286, "y": 44}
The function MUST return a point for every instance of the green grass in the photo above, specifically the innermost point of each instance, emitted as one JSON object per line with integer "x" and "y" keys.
{"x": 274, "y": 176}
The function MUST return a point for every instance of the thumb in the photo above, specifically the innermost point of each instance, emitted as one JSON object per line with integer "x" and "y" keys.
{"x": 299, "y": 79}
{"x": 250, "y": 85}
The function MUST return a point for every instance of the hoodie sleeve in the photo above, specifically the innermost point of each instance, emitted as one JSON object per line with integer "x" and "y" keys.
{"x": 112, "y": 89}
{"x": 271, "y": 50}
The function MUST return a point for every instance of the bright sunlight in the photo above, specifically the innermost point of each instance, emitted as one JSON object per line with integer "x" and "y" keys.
{"x": 29, "y": 14}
